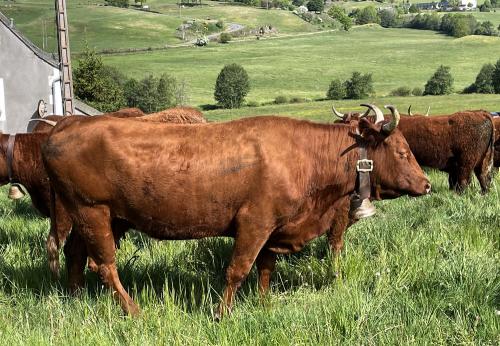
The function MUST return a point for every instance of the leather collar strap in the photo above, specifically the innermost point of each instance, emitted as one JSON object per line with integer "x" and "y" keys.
{"x": 10, "y": 156}
{"x": 363, "y": 167}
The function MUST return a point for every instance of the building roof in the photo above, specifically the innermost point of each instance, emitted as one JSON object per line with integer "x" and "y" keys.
{"x": 48, "y": 58}
{"x": 85, "y": 108}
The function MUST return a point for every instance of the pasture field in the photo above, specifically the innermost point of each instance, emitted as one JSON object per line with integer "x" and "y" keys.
{"x": 304, "y": 66}
{"x": 422, "y": 271}
{"x": 107, "y": 27}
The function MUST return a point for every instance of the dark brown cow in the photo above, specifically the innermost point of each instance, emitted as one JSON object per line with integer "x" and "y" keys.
{"x": 45, "y": 126}
{"x": 272, "y": 183}
{"x": 496, "y": 160}
{"x": 458, "y": 144}
{"x": 27, "y": 169}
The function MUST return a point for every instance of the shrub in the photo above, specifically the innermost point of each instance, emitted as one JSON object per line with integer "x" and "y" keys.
{"x": 496, "y": 78}
{"x": 389, "y": 18}
{"x": 225, "y": 37}
{"x": 358, "y": 86}
{"x": 97, "y": 84}
{"x": 413, "y": 9}
{"x": 486, "y": 28}
{"x": 152, "y": 94}
{"x": 338, "y": 13}
{"x": 298, "y": 100}
{"x": 417, "y": 91}
{"x": 441, "y": 82}
{"x": 367, "y": 15}
{"x": 336, "y": 91}
{"x": 117, "y": 3}
{"x": 253, "y": 104}
{"x": 316, "y": 5}
{"x": 280, "y": 99}
{"x": 401, "y": 91}
{"x": 232, "y": 86}
{"x": 220, "y": 24}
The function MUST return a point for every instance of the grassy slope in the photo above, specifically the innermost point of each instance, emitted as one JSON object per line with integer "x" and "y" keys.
{"x": 424, "y": 271}
{"x": 117, "y": 28}
{"x": 304, "y": 66}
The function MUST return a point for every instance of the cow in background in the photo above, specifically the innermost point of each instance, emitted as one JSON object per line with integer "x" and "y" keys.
{"x": 23, "y": 165}
{"x": 458, "y": 144}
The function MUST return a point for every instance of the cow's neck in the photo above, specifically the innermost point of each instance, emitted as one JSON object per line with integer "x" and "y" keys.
{"x": 27, "y": 165}
{"x": 337, "y": 153}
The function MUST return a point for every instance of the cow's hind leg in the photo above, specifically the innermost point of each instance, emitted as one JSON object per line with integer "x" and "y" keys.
{"x": 248, "y": 243}
{"x": 484, "y": 172}
{"x": 266, "y": 262}
{"x": 95, "y": 228}
{"x": 75, "y": 251}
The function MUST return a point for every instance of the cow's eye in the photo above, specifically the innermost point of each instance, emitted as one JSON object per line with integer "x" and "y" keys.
{"x": 403, "y": 154}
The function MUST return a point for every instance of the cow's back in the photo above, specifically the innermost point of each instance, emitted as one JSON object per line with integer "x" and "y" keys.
{"x": 175, "y": 174}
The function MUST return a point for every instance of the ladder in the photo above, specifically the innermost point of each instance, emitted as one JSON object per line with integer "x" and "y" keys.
{"x": 64, "y": 57}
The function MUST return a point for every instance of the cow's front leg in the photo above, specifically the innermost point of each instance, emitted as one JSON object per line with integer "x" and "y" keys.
{"x": 248, "y": 243}
{"x": 75, "y": 252}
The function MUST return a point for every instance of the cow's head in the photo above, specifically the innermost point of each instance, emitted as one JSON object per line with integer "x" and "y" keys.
{"x": 395, "y": 169}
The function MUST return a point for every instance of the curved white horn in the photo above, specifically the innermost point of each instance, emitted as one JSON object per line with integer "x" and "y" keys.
{"x": 389, "y": 127}
{"x": 366, "y": 113}
{"x": 409, "y": 111}
{"x": 337, "y": 113}
{"x": 428, "y": 110}
{"x": 379, "y": 115}
{"x": 47, "y": 121}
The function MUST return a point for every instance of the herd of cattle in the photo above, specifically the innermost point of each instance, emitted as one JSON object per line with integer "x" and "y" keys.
{"x": 272, "y": 183}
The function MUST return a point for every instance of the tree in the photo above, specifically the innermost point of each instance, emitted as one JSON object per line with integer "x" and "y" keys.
{"x": 441, "y": 82}
{"x": 413, "y": 9}
{"x": 316, "y": 5}
{"x": 367, "y": 15}
{"x": 496, "y": 78}
{"x": 389, "y": 18}
{"x": 358, "y": 86}
{"x": 338, "y": 13}
{"x": 486, "y": 28}
{"x": 97, "y": 84}
{"x": 232, "y": 86}
{"x": 484, "y": 80}
{"x": 336, "y": 91}
{"x": 117, "y": 3}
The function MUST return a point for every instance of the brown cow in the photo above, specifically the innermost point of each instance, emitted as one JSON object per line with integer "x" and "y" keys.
{"x": 27, "y": 169}
{"x": 496, "y": 160}
{"x": 458, "y": 144}
{"x": 272, "y": 183}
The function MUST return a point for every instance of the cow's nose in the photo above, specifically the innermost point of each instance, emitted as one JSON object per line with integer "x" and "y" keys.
{"x": 428, "y": 188}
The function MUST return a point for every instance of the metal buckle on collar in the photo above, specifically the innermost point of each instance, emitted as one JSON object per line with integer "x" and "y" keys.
{"x": 364, "y": 165}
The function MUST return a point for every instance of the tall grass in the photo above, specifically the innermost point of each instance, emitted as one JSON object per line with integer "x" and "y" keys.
{"x": 423, "y": 270}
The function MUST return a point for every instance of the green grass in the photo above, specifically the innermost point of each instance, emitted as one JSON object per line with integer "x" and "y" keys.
{"x": 107, "y": 28}
{"x": 321, "y": 110}
{"x": 422, "y": 271}
{"x": 304, "y": 66}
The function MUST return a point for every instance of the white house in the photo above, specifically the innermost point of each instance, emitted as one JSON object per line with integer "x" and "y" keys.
{"x": 28, "y": 75}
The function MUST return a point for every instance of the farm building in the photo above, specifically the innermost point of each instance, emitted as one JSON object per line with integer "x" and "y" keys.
{"x": 28, "y": 75}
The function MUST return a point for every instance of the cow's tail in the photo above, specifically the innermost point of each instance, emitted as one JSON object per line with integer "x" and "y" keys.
{"x": 488, "y": 158}
{"x": 52, "y": 243}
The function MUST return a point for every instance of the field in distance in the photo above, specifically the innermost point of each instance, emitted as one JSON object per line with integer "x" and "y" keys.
{"x": 304, "y": 66}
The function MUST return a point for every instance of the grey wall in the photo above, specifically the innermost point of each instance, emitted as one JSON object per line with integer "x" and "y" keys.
{"x": 26, "y": 79}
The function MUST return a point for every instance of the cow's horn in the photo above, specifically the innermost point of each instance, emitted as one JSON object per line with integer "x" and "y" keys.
{"x": 379, "y": 115}
{"x": 337, "y": 113}
{"x": 409, "y": 111}
{"x": 428, "y": 110}
{"x": 365, "y": 114}
{"x": 47, "y": 121}
{"x": 389, "y": 127}
{"x": 16, "y": 192}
